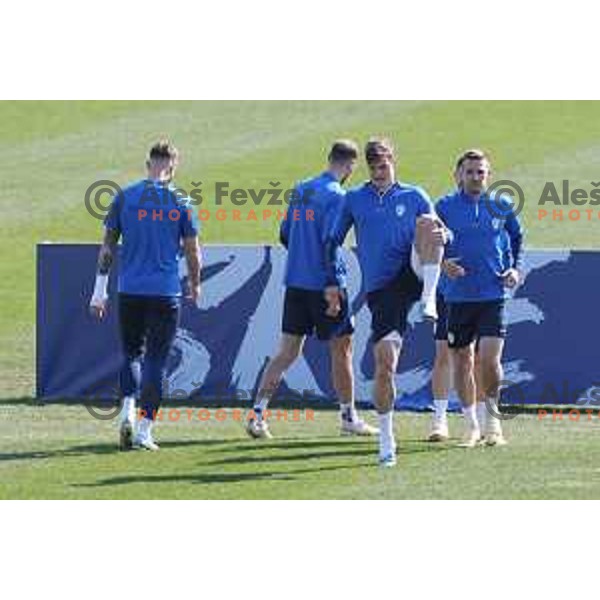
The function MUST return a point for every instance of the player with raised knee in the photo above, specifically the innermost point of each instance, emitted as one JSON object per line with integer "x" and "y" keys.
{"x": 311, "y": 213}
{"x": 400, "y": 244}
{"x": 476, "y": 294}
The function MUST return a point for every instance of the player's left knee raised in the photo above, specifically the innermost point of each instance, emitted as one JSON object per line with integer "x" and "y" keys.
{"x": 427, "y": 220}
{"x": 427, "y": 225}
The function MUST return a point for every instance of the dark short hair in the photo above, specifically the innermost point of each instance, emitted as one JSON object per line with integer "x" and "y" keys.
{"x": 473, "y": 154}
{"x": 342, "y": 151}
{"x": 163, "y": 150}
{"x": 378, "y": 148}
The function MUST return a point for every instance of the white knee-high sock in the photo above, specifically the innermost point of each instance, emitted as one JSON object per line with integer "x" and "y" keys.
{"x": 482, "y": 413}
{"x": 441, "y": 408}
{"x": 470, "y": 413}
{"x": 260, "y": 405}
{"x": 492, "y": 423}
{"x": 387, "y": 443}
{"x": 431, "y": 276}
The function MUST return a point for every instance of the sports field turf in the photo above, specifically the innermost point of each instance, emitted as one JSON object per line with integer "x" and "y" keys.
{"x": 61, "y": 452}
{"x": 50, "y": 152}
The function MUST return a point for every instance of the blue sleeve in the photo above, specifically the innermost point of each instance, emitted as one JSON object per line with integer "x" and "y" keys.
{"x": 190, "y": 227}
{"x": 335, "y": 204}
{"x": 515, "y": 235}
{"x": 341, "y": 223}
{"x": 284, "y": 231}
{"x": 440, "y": 210}
{"x": 425, "y": 206}
{"x": 113, "y": 217}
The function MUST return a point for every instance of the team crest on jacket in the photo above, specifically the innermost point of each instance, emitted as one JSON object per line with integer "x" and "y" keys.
{"x": 400, "y": 210}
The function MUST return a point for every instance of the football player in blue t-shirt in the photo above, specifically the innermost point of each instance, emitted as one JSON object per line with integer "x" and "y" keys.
{"x": 441, "y": 376}
{"x": 313, "y": 209}
{"x": 476, "y": 292}
{"x": 154, "y": 226}
{"x": 400, "y": 244}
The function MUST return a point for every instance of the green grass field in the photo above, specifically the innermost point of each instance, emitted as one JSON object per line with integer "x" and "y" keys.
{"x": 62, "y": 452}
{"x": 50, "y": 152}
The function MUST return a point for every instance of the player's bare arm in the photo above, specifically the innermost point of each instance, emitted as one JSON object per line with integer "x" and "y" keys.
{"x": 105, "y": 261}
{"x": 193, "y": 258}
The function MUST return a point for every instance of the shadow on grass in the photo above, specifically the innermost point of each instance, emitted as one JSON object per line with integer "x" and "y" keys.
{"x": 66, "y": 452}
{"x": 191, "y": 443}
{"x": 96, "y": 449}
{"x": 342, "y": 452}
{"x": 367, "y": 443}
{"x": 241, "y": 460}
{"x": 24, "y": 401}
{"x": 313, "y": 442}
{"x": 208, "y": 478}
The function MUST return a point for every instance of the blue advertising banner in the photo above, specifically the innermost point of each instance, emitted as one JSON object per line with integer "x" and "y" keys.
{"x": 224, "y": 343}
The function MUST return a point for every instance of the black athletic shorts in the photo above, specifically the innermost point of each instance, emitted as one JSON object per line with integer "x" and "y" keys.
{"x": 441, "y": 325}
{"x": 390, "y": 305}
{"x": 304, "y": 313}
{"x": 468, "y": 321}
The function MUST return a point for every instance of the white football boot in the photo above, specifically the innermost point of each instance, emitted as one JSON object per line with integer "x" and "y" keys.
{"x": 439, "y": 430}
{"x": 258, "y": 429}
{"x": 357, "y": 427}
{"x": 143, "y": 438}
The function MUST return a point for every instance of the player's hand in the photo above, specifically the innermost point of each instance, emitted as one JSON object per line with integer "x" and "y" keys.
{"x": 440, "y": 234}
{"x": 98, "y": 308}
{"x": 511, "y": 278}
{"x": 333, "y": 297}
{"x": 452, "y": 269}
